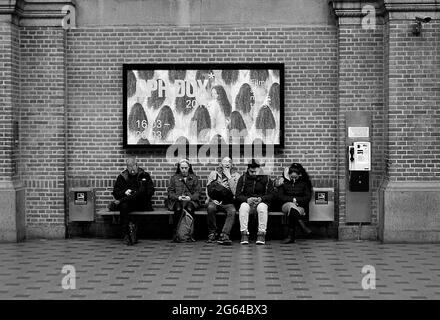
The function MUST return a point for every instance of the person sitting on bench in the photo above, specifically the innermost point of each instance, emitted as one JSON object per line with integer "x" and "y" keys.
{"x": 295, "y": 193}
{"x": 254, "y": 194}
{"x": 183, "y": 192}
{"x": 133, "y": 189}
{"x": 226, "y": 178}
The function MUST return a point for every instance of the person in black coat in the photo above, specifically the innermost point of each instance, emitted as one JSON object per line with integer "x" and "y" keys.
{"x": 133, "y": 189}
{"x": 254, "y": 193}
{"x": 295, "y": 194}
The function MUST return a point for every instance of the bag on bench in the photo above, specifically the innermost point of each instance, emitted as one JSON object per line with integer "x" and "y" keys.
{"x": 185, "y": 228}
{"x": 114, "y": 205}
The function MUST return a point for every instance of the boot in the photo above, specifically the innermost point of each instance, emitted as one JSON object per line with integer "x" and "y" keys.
{"x": 290, "y": 236}
{"x": 132, "y": 233}
{"x": 304, "y": 228}
{"x": 126, "y": 239}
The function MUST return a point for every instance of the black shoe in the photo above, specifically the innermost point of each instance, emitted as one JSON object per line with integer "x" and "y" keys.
{"x": 132, "y": 233}
{"x": 224, "y": 240}
{"x": 211, "y": 238}
{"x": 244, "y": 237}
{"x": 127, "y": 240}
{"x": 290, "y": 237}
{"x": 261, "y": 238}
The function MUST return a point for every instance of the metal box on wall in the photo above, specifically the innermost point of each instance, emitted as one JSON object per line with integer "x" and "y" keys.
{"x": 322, "y": 205}
{"x": 81, "y": 204}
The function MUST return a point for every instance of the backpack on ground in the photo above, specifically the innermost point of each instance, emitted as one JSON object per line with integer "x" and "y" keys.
{"x": 185, "y": 228}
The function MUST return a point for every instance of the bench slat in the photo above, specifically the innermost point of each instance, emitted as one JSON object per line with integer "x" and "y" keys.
{"x": 166, "y": 212}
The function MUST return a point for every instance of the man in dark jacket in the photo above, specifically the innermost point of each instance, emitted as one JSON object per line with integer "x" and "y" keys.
{"x": 133, "y": 189}
{"x": 254, "y": 193}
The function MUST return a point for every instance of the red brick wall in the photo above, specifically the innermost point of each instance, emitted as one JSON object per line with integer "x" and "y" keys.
{"x": 361, "y": 89}
{"x": 95, "y": 58}
{"x": 414, "y": 102}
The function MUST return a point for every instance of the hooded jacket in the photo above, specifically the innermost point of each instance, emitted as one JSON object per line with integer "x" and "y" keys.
{"x": 300, "y": 190}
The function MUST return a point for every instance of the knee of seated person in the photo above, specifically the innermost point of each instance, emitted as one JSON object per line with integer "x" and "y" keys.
{"x": 231, "y": 211}
{"x": 262, "y": 207}
{"x": 212, "y": 207}
{"x": 287, "y": 206}
{"x": 294, "y": 212}
{"x": 190, "y": 207}
{"x": 245, "y": 207}
{"x": 178, "y": 206}
{"x": 123, "y": 206}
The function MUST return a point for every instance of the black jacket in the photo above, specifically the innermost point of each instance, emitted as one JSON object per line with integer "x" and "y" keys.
{"x": 254, "y": 186}
{"x": 299, "y": 190}
{"x": 141, "y": 184}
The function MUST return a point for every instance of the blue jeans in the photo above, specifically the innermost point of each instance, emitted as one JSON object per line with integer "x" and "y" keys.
{"x": 212, "y": 221}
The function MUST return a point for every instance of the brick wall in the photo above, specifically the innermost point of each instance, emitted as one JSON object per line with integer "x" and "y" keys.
{"x": 15, "y": 81}
{"x": 95, "y": 58}
{"x": 361, "y": 89}
{"x": 414, "y": 102}
{"x": 41, "y": 124}
{"x": 324, "y": 64}
{"x": 6, "y": 100}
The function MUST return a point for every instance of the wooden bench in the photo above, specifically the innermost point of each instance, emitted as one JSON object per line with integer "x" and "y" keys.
{"x": 203, "y": 212}
{"x": 164, "y": 212}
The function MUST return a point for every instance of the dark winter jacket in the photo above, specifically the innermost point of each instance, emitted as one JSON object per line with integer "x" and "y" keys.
{"x": 254, "y": 186}
{"x": 177, "y": 188}
{"x": 299, "y": 190}
{"x": 141, "y": 184}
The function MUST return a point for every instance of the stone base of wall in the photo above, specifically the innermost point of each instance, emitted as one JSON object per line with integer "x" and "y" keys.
{"x": 45, "y": 231}
{"x": 12, "y": 212}
{"x": 351, "y": 232}
{"x": 410, "y": 212}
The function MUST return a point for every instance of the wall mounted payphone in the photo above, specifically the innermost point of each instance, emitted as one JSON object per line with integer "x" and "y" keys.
{"x": 359, "y": 166}
{"x": 358, "y": 155}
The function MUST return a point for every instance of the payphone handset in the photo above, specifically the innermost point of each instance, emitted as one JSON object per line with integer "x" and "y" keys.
{"x": 359, "y": 156}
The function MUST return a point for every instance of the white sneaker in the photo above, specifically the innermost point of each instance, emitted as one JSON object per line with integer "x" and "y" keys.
{"x": 261, "y": 238}
{"x": 244, "y": 238}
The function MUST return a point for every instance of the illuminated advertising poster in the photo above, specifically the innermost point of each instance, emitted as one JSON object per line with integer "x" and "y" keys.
{"x": 168, "y": 104}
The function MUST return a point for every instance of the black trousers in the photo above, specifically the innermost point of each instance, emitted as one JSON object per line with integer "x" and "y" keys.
{"x": 178, "y": 210}
{"x": 293, "y": 218}
{"x": 137, "y": 202}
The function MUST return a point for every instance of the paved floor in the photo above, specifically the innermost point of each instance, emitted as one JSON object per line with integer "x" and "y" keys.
{"x": 158, "y": 269}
